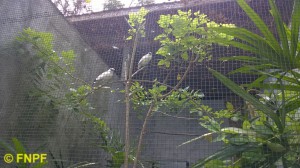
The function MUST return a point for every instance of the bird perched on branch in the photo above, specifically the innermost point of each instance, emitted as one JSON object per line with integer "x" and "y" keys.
{"x": 145, "y": 60}
{"x": 105, "y": 76}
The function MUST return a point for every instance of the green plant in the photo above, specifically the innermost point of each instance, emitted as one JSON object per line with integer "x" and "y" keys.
{"x": 180, "y": 48}
{"x": 271, "y": 135}
{"x": 136, "y": 22}
{"x": 185, "y": 37}
{"x": 49, "y": 71}
{"x": 46, "y": 74}
{"x": 112, "y": 5}
{"x": 55, "y": 87}
{"x": 75, "y": 7}
{"x": 111, "y": 142}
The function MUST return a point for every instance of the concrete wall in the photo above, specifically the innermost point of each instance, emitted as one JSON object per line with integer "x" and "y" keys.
{"x": 166, "y": 133}
{"x": 66, "y": 133}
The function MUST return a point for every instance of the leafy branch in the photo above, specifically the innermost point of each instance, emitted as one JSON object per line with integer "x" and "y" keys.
{"x": 268, "y": 133}
{"x": 54, "y": 82}
{"x": 183, "y": 41}
{"x": 137, "y": 23}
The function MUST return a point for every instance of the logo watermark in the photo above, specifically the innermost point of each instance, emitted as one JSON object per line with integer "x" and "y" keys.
{"x": 8, "y": 158}
{"x": 25, "y": 158}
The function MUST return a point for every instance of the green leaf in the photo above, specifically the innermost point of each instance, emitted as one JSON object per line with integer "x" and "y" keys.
{"x": 229, "y": 106}
{"x": 118, "y": 159}
{"x": 262, "y": 129}
{"x": 295, "y": 28}
{"x": 240, "y": 140}
{"x": 167, "y": 63}
{"x": 164, "y": 21}
{"x": 68, "y": 56}
{"x": 259, "y": 80}
{"x": 212, "y": 126}
{"x": 162, "y": 88}
{"x": 276, "y": 147}
{"x": 280, "y": 29}
{"x": 129, "y": 38}
{"x": 185, "y": 56}
{"x": 197, "y": 138}
{"x": 290, "y": 106}
{"x": 163, "y": 51}
{"x": 262, "y": 48}
{"x": 18, "y": 146}
{"x": 263, "y": 54}
{"x": 246, "y": 125}
{"x": 249, "y": 37}
{"x": 215, "y": 164}
{"x": 225, "y": 153}
{"x": 234, "y": 130}
{"x": 96, "y": 120}
{"x": 276, "y": 86}
{"x": 240, "y": 58}
{"x": 161, "y": 62}
{"x": 19, "y": 149}
{"x": 242, "y": 93}
{"x": 253, "y": 156}
{"x": 260, "y": 25}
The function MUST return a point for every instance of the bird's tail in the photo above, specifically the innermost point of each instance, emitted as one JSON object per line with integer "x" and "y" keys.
{"x": 94, "y": 83}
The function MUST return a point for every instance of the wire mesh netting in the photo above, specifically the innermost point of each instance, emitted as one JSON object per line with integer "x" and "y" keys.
{"x": 170, "y": 85}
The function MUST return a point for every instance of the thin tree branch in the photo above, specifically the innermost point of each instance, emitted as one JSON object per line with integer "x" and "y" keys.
{"x": 186, "y": 118}
{"x": 128, "y": 22}
{"x": 143, "y": 131}
{"x": 166, "y": 79}
{"x": 127, "y": 98}
{"x": 150, "y": 110}
{"x": 92, "y": 91}
{"x": 181, "y": 80}
{"x": 183, "y": 77}
{"x": 148, "y": 81}
{"x": 138, "y": 71}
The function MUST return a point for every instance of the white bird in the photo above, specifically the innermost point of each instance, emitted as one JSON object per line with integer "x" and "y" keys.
{"x": 105, "y": 76}
{"x": 145, "y": 60}
{"x": 115, "y": 47}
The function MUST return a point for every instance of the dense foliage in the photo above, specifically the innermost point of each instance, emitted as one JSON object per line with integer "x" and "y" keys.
{"x": 53, "y": 88}
{"x": 112, "y": 5}
{"x": 72, "y": 7}
{"x": 183, "y": 44}
{"x": 270, "y": 130}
